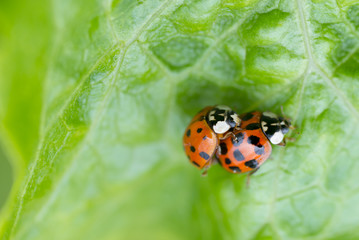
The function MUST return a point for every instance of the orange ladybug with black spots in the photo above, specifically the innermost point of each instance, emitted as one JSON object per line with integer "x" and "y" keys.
{"x": 201, "y": 137}
{"x": 251, "y": 145}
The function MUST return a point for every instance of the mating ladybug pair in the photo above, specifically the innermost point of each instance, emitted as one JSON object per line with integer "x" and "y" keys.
{"x": 239, "y": 143}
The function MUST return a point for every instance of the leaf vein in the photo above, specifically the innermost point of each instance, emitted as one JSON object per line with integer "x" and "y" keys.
{"x": 313, "y": 65}
{"x": 137, "y": 33}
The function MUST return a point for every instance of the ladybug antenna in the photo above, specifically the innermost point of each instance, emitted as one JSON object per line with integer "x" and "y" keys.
{"x": 281, "y": 109}
{"x": 291, "y": 127}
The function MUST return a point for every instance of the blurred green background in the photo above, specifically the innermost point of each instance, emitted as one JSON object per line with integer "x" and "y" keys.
{"x": 95, "y": 96}
{"x": 6, "y": 176}
{"x": 24, "y": 34}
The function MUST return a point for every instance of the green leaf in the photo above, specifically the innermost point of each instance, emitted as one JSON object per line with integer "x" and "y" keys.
{"x": 95, "y": 96}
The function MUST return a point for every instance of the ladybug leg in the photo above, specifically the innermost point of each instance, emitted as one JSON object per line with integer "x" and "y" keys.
{"x": 208, "y": 165}
{"x": 238, "y": 128}
{"x": 284, "y": 142}
{"x": 227, "y": 135}
{"x": 205, "y": 171}
{"x": 214, "y": 160}
{"x": 290, "y": 139}
{"x": 249, "y": 176}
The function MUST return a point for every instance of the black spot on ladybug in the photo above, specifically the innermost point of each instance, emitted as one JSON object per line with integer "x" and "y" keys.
{"x": 223, "y": 148}
{"x": 219, "y": 118}
{"x": 219, "y": 115}
{"x": 199, "y": 130}
{"x": 254, "y": 140}
{"x": 238, "y": 155}
{"x": 253, "y": 126}
{"x": 247, "y": 117}
{"x": 238, "y": 140}
{"x": 205, "y": 137}
{"x": 227, "y": 161}
{"x": 251, "y": 163}
{"x": 204, "y": 155}
{"x": 273, "y": 125}
{"x": 259, "y": 149}
{"x": 188, "y": 133}
{"x": 235, "y": 169}
{"x": 196, "y": 164}
{"x": 192, "y": 149}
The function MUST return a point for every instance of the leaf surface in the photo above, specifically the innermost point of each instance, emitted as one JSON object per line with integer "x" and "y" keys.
{"x": 94, "y": 104}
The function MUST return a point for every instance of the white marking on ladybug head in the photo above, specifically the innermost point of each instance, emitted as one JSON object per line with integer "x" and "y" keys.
{"x": 264, "y": 127}
{"x": 274, "y": 127}
{"x": 221, "y": 127}
{"x": 236, "y": 119}
{"x": 277, "y": 137}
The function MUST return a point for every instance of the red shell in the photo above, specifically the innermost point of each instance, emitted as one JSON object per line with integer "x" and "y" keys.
{"x": 252, "y": 149}
{"x": 199, "y": 140}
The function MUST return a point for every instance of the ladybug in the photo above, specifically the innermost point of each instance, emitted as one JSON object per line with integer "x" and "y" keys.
{"x": 251, "y": 146}
{"x": 201, "y": 137}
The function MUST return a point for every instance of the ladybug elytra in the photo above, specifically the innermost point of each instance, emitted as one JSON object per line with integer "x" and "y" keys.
{"x": 251, "y": 146}
{"x": 204, "y": 132}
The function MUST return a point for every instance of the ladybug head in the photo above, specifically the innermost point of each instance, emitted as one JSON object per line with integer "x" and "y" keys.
{"x": 222, "y": 118}
{"x": 285, "y": 125}
{"x": 274, "y": 127}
